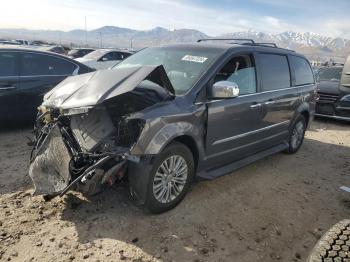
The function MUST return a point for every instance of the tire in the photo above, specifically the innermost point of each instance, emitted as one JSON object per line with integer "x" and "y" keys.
{"x": 180, "y": 157}
{"x": 334, "y": 245}
{"x": 296, "y": 135}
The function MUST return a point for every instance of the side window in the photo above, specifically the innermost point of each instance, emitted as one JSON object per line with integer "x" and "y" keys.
{"x": 274, "y": 72}
{"x": 8, "y": 65}
{"x": 124, "y": 55}
{"x": 240, "y": 70}
{"x": 111, "y": 56}
{"x": 37, "y": 64}
{"x": 302, "y": 70}
{"x": 118, "y": 56}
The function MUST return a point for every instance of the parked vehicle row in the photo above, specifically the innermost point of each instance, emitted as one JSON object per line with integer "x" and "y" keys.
{"x": 333, "y": 87}
{"x": 79, "y": 52}
{"x": 26, "y": 75}
{"x": 104, "y": 58}
{"x": 157, "y": 119}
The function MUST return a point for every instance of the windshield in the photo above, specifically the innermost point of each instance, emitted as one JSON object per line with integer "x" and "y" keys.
{"x": 329, "y": 74}
{"x": 184, "y": 66}
{"x": 95, "y": 54}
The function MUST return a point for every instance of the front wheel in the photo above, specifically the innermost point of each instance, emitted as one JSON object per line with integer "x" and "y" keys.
{"x": 296, "y": 136}
{"x": 170, "y": 179}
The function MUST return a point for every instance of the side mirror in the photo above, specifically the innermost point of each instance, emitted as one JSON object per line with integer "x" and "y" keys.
{"x": 224, "y": 89}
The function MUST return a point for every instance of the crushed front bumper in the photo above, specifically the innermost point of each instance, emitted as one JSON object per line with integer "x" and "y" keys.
{"x": 49, "y": 170}
{"x": 51, "y": 167}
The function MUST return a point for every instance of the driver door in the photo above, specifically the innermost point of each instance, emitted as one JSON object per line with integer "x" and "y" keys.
{"x": 9, "y": 85}
{"x": 234, "y": 123}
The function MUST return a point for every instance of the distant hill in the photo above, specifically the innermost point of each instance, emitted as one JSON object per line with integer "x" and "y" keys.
{"x": 314, "y": 45}
{"x": 311, "y": 44}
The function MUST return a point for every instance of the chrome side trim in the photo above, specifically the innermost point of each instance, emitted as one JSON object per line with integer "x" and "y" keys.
{"x": 249, "y": 133}
{"x": 249, "y": 144}
{"x": 7, "y": 88}
{"x": 255, "y": 106}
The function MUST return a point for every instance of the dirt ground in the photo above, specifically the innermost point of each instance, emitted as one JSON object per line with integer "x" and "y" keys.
{"x": 273, "y": 210}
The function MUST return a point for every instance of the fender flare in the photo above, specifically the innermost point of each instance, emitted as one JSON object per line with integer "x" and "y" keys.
{"x": 170, "y": 132}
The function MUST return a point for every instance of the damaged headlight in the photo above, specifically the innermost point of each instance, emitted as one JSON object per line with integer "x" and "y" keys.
{"x": 75, "y": 111}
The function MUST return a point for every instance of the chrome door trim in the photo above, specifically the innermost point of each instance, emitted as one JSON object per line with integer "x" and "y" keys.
{"x": 7, "y": 88}
{"x": 255, "y": 105}
{"x": 227, "y": 139}
{"x": 270, "y": 102}
{"x": 249, "y": 144}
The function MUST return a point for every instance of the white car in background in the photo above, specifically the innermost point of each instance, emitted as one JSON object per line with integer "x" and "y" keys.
{"x": 104, "y": 58}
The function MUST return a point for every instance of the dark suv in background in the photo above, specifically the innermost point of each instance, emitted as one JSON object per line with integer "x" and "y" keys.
{"x": 333, "y": 87}
{"x": 169, "y": 114}
{"x": 26, "y": 75}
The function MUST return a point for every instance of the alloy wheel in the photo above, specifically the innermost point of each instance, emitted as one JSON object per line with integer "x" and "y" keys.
{"x": 297, "y": 135}
{"x": 170, "y": 179}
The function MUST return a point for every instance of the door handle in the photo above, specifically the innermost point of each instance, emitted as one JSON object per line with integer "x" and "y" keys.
{"x": 5, "y": 88}
{"x": 253, "y": 106}
{"x": 270, "y": 102}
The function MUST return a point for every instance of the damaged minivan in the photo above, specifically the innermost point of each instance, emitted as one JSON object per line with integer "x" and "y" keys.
{"x": 168, "y": 115}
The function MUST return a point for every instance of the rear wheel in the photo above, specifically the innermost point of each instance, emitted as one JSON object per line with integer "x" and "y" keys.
{"x": 171, "y": 178}
{"x": 296, "y": 136}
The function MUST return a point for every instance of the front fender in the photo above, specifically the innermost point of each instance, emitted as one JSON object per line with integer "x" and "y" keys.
{"x": 153, "y": 145}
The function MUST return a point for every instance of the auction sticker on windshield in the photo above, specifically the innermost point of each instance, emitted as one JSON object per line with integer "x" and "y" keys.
{"x": 196, "y": 59}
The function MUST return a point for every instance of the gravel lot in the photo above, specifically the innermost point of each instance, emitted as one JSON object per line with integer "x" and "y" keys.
{"x": 273, "y": 210}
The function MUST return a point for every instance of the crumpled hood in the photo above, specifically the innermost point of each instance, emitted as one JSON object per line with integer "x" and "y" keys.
{"x": 94, "y": 88}
{"x": 328, "y": 87}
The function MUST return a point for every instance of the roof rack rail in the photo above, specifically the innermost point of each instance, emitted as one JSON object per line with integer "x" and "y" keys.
{"x": 248, "y": 41}
{"x": 251, "y": 41}
{"x": 267, "y": 44}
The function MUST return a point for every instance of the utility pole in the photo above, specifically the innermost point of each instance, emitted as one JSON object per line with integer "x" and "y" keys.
{"x": 100, "y": 39}
{"x": 131, "y": 44}
{"x": 85, "y": 33}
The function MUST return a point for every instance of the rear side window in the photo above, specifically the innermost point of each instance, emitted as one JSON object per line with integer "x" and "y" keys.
{"x": 274, "y": 72}
{"x": 8, "y": 65}
{"x": 112, "y": 56}
{"x": 302, "y": 70}
{"x": 37, "y": 64}
{"x": 124, "y": 55}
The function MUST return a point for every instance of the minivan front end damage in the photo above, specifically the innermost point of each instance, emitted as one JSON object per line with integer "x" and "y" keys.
{"x": 89, "y": 146}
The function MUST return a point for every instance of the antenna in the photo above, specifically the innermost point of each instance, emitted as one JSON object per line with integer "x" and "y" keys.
{"x": 100, "y": 39}
{"x": 85, "y": 33}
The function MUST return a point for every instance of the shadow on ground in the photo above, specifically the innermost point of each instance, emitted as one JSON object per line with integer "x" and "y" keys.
{"x": 275, "y": 209}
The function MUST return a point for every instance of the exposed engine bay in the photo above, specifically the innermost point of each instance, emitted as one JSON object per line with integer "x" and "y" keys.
{"x": 88, "y": 146}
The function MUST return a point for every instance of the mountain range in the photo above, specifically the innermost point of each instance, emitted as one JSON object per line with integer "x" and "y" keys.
{"x": 311, "y": 44}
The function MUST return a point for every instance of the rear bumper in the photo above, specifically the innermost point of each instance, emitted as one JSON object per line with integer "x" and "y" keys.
{"x": 337, "y": 110}
{"x": 334, "y": 117}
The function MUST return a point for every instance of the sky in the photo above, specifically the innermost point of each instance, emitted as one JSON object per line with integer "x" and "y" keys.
{"x": 326, "y": 17}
